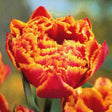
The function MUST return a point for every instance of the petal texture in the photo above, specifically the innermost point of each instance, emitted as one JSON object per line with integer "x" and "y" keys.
{"x": 62, "y": 52}
{"x": 95, "y": 99}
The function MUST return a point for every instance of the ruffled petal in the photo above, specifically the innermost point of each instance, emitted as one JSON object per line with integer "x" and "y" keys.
{"x": 9, "y": 50}
{"x": 16, "y": 27}
{"x": 95, "y": 99}
{"x": 99, "y": 57}
{"x": 62, "y": 52}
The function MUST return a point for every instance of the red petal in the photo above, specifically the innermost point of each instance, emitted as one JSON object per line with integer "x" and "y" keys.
{"x": 40, "y": 11}
{"x": 92, "y": 46}
{"x": 16, "y": 27}
{"x": 21, "y": 57}
{"x": 75, "y": 74}
{"x": 88, "y": 22}
{"x": 8, "y": 46}
{"x": 54, "y": 87}
{"x": 92, "y": 99}
{"x": 33, "y": 73}
{"x": 102, "y": 52}
{"x": 3, "y": 104}
{"x": 17, "y": 23}
{"x": 81, "y": 106}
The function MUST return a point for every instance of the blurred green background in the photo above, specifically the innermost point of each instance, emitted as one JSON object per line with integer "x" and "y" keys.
{"x": 98, "y": 11}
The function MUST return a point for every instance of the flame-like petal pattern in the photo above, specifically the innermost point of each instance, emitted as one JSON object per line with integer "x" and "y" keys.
{"x": 20, "y": 108}
{"x": 95, "y": 99}
{"x": 55, "y": 55}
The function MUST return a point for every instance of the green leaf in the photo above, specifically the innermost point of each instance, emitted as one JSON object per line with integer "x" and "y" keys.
{"x": 14, "y": 107}
{"x": 47, "y": 105}
{"x": 35, "y": 96}
{"x": 56, "y": 106}
{"x": 29, "y": 96}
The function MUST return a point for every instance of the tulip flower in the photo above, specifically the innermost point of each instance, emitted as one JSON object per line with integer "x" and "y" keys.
{"x": 55, "y": 55}
{"x": 20, "y": 108}
{"x": 95, "y": 99}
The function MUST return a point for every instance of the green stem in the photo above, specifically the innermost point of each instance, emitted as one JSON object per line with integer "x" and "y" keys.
{"x": 28, "y": 93}
{"x": 35, "y": 96}
{"x": 14, "y": 107}
{"x": 47, "y": 106}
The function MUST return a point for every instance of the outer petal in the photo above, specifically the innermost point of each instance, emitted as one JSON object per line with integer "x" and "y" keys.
{"x": 100, "y": 56}
{"x": 92, "y": 99}
{"x": 54, "y": 87}
{"x": 33, "y": 73}
{"x": 95, "y": 55}
{"x": 9, "y": 50}
{"x": 40, "y": 11}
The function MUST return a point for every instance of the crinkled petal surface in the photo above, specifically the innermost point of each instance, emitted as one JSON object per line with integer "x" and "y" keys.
{"x": 95, "y": 99}
{"x": 54, "y": 54}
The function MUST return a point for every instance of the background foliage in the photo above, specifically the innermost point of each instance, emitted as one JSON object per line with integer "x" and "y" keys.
{"x": 98, "y": 11}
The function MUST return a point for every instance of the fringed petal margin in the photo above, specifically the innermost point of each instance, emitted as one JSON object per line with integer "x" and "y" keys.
{"x": 9, "y": 50}
{"x": 99, "y": 57}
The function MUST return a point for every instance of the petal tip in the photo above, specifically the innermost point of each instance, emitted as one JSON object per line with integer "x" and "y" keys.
{"x": 40, "y": 11}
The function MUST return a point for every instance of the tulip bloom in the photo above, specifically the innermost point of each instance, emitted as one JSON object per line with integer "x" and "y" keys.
{"x": 95, "y": 99}
{"x": 20, "y": 108}
{"x": 55, "y": 55}
{"x": 4, "y": 70}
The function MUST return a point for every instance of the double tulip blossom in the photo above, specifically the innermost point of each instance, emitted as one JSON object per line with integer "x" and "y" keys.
{"x": 55, "y": 55}
{"x": 20, "y": 108}
{"x": 95, "y": 99}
